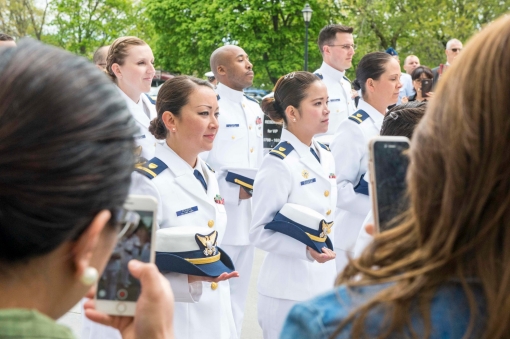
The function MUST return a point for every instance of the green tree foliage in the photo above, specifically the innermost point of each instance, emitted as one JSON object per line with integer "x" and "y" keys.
{"x": 81, "y": 26}
{"x": 20, "y": 18}
{"x": 271, "y": 32}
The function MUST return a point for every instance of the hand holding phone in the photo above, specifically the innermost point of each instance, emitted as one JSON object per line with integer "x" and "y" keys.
{"x": 388, "y": 167}
{"x": 117, "y": 289}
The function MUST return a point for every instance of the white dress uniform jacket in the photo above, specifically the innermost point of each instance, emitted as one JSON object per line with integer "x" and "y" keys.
{"x": 340, "y": 104}
{"x": 288, "y": 272}
{"x": 350, "y": 150}
{"x": 145, "y": 139}
{"x": 177, "y": 189}
{"x": 238, "y": 143}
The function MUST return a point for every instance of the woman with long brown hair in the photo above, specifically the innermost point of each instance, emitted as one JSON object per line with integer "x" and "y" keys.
{"x": 443, "y": 272}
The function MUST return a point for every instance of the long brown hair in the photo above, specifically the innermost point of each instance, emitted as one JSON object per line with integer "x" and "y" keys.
{"x": 459, "y": 184}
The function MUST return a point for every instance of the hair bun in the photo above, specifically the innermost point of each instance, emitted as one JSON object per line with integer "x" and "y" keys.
{"x": 272, "y": 109}
{"x": 356, "y": 85}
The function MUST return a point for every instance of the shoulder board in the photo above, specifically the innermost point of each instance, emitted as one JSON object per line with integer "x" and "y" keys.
{"x": 319, "y": 75}
{"x": 359, "y": 116}
{"x": 346, "y": 78}
{"x": 250, "y": 98}
{"x": 324, "y": 146}
{"x": 209, "y": 167}
{"x": 217, "y": 97}
{"x": 151, "y": 168}
{"x": 282, "y": 150}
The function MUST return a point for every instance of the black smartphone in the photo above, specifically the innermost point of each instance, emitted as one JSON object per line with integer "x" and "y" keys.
{"x": 388, "y": 167}
{"x": 426, "y": 86}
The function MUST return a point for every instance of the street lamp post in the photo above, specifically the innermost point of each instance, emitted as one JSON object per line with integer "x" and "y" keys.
{"x": 307, "y": 15}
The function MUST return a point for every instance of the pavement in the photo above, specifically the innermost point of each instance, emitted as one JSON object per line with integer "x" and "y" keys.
{"x": 251, "y": 329}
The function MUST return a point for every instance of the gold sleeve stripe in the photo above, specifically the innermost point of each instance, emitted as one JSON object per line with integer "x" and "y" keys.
{"x": 147, "y": 170}
{"x": 242, "y": 183}
{"x": 201, "y": 261}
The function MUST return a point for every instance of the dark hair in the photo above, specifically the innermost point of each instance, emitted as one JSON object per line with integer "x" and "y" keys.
{"x": 6, "y": 37}
{"x": 118, "y": 52}
{"x": 371, "y": 66}
{"x": 402, "y": 119}
{"x": 289, "y": 90}
{"x": 172, "y": 97}
{"x": 418, "y": 71}
{"x": 328, "y": 34}
{"x": 66, "y": 150}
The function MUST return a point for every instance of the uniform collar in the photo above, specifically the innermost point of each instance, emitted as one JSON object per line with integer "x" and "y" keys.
{"x": 175, "y": 163}
{"x": 129, "y": 101}
{"x": 375, "y": 115}
{"x": 226, "y": 92}
{"x": 299, "y": 147}
{"x": 332, "y": 72}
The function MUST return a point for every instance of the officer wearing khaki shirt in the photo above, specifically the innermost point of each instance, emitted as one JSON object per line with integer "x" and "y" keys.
{"x": 336, "y": 44}
{"x": 238, "y": 145}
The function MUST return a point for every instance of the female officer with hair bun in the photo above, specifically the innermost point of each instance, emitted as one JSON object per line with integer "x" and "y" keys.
{"x": 301, "y": 171}
{"x": 188, "y": 195}
{"x": 378, "y": 77}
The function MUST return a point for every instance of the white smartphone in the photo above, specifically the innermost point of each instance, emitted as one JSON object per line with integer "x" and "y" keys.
{"x": 117, "y": 290}
{"x": 388, "y": 164}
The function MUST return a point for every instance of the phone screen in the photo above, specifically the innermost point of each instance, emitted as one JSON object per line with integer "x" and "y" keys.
{"x": 390, "y": 164}
{"x": 426, "y": 86}
{"x": 117, "y": 283}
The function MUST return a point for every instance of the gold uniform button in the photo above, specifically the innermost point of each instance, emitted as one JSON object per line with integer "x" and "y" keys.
{"x": 328, "y": 212}
{"x": 244, "y": 105}
{"x": 249, "y": 127}
{"x": 210, "y": 223}
{"x": 233, "y": 137}
{"x": 251, "y": 150}
{"x": 326, "y": 193}
{"x": 338, "y": 110}
{"x": 214, "y": 286}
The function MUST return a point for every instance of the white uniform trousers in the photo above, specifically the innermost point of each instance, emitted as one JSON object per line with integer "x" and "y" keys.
{"x": 242, "y": 257}
{"x": 272, "y": 313}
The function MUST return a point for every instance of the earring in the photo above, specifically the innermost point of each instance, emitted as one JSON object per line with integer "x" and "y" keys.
{"x": 294, "y": 120}
{"x": 173, "y": 129}
{"x": 89, "y": 276}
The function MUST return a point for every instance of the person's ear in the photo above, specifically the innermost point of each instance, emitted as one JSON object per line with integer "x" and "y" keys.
{"x": 370, "y": 85}
{"x": 170, "y": 121}
{"x": 291, "y": 113}
{"x": 116, "y": 70}
{"x": 325, "y": 50}
{"x": 222, "y": 70}
{"x": 85, "y": 245}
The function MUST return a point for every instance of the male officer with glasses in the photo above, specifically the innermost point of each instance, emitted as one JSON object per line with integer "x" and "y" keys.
{"x": 453, "y": 48}
{"x": 336, "y": 44}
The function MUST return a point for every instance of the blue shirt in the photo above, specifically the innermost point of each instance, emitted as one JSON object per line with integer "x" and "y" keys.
{"x": 320, "y": 317}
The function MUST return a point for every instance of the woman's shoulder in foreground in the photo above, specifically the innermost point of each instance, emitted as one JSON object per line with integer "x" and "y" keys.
{"x": 30, "y": 324}
{"x": 320, "y": 317}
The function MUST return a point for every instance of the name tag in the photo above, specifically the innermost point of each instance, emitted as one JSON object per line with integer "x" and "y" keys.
{"x": 140, "y": 137}
{"x": 232, "y": 125}
{"x": 306, "y": 182}
{"x": 187, "y": 211}
{"x": 333, "y": 100}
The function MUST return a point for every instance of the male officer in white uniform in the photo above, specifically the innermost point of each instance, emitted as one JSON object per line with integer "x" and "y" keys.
{"x": 238, "y": 144}
{"x": 337, "y": 48}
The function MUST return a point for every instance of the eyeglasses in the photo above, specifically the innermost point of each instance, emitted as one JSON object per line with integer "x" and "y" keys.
{"x": 128, "y": 220}
{"x": 455, "y": 50}
{"x": 346, "y": 46}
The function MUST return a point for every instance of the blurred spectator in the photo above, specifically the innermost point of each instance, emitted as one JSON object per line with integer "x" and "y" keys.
{"x": 99, "y": 57}
{"x": 405, "y": 79}
{"x": 410, "y": 63}
{"x": 419, "y": 74}
{"x": 7, "y": 40}
{"x": 211, "y": 78}
{"x": 453, "y": 48}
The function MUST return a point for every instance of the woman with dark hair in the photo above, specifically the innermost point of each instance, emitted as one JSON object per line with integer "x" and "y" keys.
{"x": 299, "y": 171}
{"x": 443, "y": 272}
{"x": 130, "y": 65}
{"x": 188, "y": 195}
{"x": 65, "y": 163}
{"x": 378, "y": 77}
{"x": 419, "y": 74}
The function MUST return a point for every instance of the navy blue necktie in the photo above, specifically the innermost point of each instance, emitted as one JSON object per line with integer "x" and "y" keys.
{"x": 200, "y": 178}
{"x": 315, "y": 154}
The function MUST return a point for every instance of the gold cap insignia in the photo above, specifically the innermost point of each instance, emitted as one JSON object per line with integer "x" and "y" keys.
{"x": 305, "y": 174}
{"x": 153, "y": 166}
{"x": 326, "y": 228}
